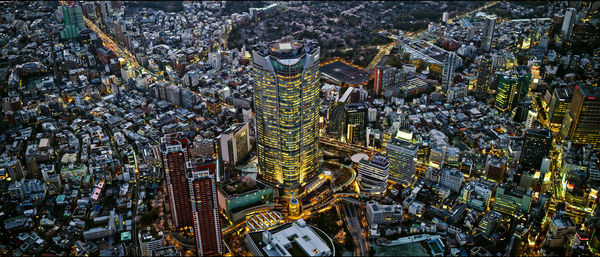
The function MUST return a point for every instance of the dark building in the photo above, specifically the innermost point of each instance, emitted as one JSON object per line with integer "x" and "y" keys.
{"x": 536, "y": 145}
{"x": 356, "y": 114}
{"x": 484, "y": 74}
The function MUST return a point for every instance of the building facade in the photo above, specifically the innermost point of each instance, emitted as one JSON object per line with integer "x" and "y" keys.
{"x": 205, "y": 212}
{"x": 403, "y": 161}
{"x": 582, "y": 123}
{"x": 286, "y": 98}
{"x": 174, "y": 150}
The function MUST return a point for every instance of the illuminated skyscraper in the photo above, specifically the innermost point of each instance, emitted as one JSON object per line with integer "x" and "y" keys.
{"x": 582, "y": 121}
{"x": 205, "y": 212}
{"x": 286, "y": 101}
{"x": 512, "y": 87}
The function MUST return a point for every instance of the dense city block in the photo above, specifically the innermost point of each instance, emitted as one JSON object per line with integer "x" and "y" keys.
{"x": 299, "y": 128}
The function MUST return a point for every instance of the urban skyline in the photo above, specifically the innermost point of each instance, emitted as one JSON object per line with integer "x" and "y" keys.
{"x": 300, "y": 128}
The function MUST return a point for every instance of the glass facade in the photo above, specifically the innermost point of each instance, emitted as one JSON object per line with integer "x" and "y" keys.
{"x": 512, "y": 87}
{"x": 286, "y": 95}
{"x": 585, "y": 113}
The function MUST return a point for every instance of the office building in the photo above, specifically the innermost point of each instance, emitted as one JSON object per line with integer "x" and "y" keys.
{"x": 488, "y": 32}
{"x": 205, "y": 212}
{"x": 478, "y": 194}
{"x": 509, "y": 199}
{"x": 536, "y": 145}
{"x": 286, "y": 98}
{"x": 567, "y": 26}
{"x": 559, "y": 104}
{"x": 356, "y": 114}
{"x": 582, "y": 123}
{"x": 560, "y": 226}
{"x": 175, "y": 155}
{"x": 383, "y": 214}
{"x": 403, "y": 160}
{"x": 373, "y": 175}
{"x": 513, "y": 86}
{"x": 531, "y": 117}
{"x": 73, "y": 18}
{"x": 495, "y": 167}
{"x": 243, "y": 196}
{"x": 489, "y": 221}
{"x": 234, "y": 143}
{"x": 451, "y": 178}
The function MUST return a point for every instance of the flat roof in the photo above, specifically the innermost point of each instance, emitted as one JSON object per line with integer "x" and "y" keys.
{"x": 345, "y": 73}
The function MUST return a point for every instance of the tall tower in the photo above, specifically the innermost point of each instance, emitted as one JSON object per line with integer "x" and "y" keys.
{"x": 483, "y": 76}
{"x": 582, "y": 123}
{"x": 205, "y": 212}
{"x": 488, "y": 32}
{"x": 449, "y": 66}
{"x": 286, "y": 101}
{"x": 568, "y": 21}
{"x": 73, "y": 17}
{"x": 175, "y": 155}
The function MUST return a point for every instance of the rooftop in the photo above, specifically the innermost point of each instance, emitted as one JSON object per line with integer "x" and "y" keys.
{"x": 344, "y": 73}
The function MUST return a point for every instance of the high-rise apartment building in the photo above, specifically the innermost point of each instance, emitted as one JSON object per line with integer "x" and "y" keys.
{"x": 448, "y": 70}
{"x": 536, "y": 145}
{"x": 582, "y": 121}
{"x": 488, "y": 32}
{"x": 286, "y": 98}
{"x": 484, "y": 74}
{"x": 403, "y": 161}
{"x": 175, "y": 155}
{"x": 205, "y": 212}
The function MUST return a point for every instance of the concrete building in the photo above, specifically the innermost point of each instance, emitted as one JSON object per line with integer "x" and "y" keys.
{"x": 373, "y": 175}
{"x": 291, "y": 239}
{"x": 451, "y": 178}
{"x": 383, "y": 214}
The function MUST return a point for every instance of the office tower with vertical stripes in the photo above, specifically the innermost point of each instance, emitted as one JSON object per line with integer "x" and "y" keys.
{"x": 286, "y": 101}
